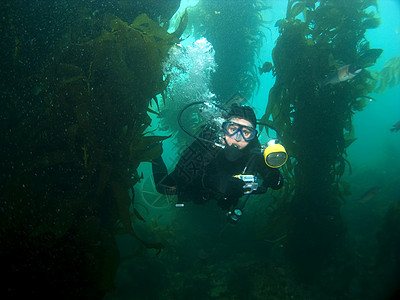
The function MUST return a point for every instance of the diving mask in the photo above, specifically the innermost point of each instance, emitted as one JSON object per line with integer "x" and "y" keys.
{"x": 275, "y": 154}
{"x": 231, "y": 128}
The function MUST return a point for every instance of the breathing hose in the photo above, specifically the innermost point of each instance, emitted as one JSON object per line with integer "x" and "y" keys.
{"x": 179, "y": 117}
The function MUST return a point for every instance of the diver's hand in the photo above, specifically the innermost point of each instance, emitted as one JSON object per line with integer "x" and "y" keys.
{"x": 233, "y": 188}
{"x": 229, "y": 187}
{"x": 274, "y": 180}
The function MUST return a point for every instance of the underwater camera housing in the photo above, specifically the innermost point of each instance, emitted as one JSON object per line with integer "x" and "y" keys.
{"x": 251, "y": 183}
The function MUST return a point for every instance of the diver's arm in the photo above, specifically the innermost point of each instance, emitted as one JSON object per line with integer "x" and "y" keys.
{"x": 227, "y": 186}
{"x": 188, "y": 172}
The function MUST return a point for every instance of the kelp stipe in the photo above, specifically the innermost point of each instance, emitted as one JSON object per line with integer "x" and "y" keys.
{"x": 316, "y": 125}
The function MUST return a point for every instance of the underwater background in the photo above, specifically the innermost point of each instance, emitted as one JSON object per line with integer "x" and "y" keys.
{"x": 91, "y": 88}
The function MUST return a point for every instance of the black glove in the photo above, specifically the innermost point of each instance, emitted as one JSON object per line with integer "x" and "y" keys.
{"x": 232, "y": 188}
{"x": 274, "y": 180}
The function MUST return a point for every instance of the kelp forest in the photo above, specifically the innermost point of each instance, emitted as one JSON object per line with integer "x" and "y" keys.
{"x": 73, "y": 135}
{"x": 84, "y": 90}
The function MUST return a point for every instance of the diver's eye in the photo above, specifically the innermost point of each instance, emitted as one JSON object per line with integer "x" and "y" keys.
{"x": 232, "y": 128}
{"x": 246, "y": 132}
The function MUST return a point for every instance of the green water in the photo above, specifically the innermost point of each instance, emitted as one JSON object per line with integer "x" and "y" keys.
{"x": 75, "y": 88}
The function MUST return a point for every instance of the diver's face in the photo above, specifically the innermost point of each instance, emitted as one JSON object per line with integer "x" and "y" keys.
{"x": 237, "y": 139}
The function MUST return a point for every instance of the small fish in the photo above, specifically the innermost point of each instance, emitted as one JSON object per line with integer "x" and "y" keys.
{"x": 368, "y": 195}
{"x": 368, "y": 98}
{"x": 343, "y": 74}
{"x": 395, "y": 127}
{"x": 267, "y": 67}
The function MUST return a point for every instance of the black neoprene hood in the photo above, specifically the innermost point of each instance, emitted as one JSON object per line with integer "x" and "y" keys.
{"x": 243, "y": 112}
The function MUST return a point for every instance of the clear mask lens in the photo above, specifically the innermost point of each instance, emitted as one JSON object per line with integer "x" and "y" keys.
{"x": 231, "y": 128}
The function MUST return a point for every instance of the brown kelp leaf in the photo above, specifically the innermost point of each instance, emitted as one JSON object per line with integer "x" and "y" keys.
{"x": 148, "y": 140}
{"x": 143, "y": 150}
{"x": 297, "y": 8}
{"x": 273, "y": 100}
{"x": 156, "y": 101}
{"x": 135, "y": 211}
{"x": 137, "y": 214}
{"x": 152, "y": 111}
{"x": 152, "y": 29}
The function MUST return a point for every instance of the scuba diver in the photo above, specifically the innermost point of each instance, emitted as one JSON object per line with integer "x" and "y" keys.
{"x": 223, "y": 166}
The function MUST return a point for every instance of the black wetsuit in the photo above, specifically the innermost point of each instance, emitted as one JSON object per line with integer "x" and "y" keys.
{"x": 205, "y": 172}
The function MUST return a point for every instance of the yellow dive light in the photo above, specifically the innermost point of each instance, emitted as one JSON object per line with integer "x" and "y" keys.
{"x": 275, "y": 154}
